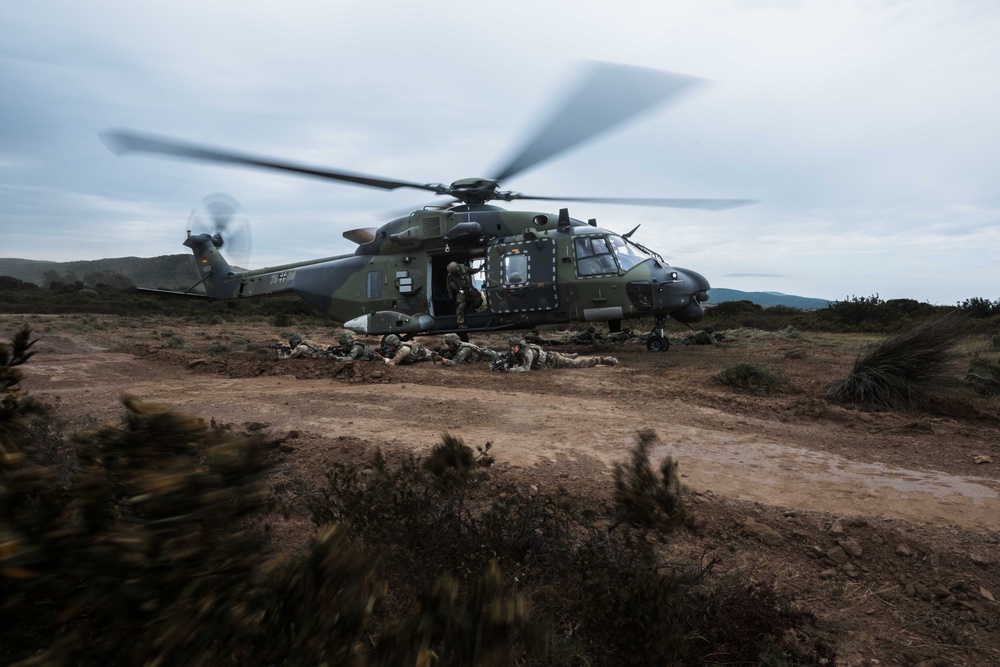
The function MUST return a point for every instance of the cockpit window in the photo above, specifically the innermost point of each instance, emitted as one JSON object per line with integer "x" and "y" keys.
{"x": 593, "y": 256}
{"x": 628, "y": 256}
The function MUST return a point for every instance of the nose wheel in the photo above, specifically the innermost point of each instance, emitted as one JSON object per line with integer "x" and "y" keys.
{"x": 658, "y": 341}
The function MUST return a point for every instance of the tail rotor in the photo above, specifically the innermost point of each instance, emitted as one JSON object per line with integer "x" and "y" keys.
{"x": 220, "y": 216}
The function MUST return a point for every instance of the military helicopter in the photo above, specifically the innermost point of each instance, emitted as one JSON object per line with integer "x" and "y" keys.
{"x": 540, "y": 267}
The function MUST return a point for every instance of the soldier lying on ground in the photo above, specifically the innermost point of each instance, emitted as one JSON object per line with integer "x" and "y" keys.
{"x": 526, "y": 357}
{"x": 706, "y": 336}
{"x": 352, "y": 349}
{"x": 463, "y": 353}
{"x": 400, "y": 353}
{"x": 591, "y": 336}
{"x": 300, "y": 348}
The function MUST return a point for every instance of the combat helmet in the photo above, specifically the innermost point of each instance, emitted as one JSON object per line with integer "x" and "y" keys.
{"x": 453, "y": 267}
{"x": 516, "y": 339}
{"x": 294, "y": 340}
{"x": 345, "y": 338}
{"x": 392, "y": 340}
{"x": 452, "y": 339}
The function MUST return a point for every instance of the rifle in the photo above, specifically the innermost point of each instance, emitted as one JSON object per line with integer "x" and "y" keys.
{"x": 502, "y": 362}
{"x": 281, "y": 347}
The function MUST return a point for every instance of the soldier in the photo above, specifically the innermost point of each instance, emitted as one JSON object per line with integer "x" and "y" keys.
{"x": 534, "y": 336}
{"x": 529, "y": 357}
{"x": 461, "y": 289}
{"x": 354, "y": 350}
{"x": 400, "y": 353}
{"x": 588, "y": 336}
{"x": 700, "y": 337}
{"x": 623, "y": 336}
{"x": 300, "y": 348}
{"x": 464, "y": 353}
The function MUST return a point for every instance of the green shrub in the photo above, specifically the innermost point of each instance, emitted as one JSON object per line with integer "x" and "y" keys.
{"x": 755, "y": 377}
{"x": 984, "y": 376}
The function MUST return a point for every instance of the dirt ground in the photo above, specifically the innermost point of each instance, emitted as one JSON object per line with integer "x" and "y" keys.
{"x": 884, "y": 525}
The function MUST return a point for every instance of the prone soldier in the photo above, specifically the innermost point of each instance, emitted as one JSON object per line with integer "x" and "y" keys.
{"x": 400, "y": 353}
{"x": 526, "y": 357}
{"x": 298, "y": 347}
{"x": 352, "y": 349}
{"x": 464, "y": 353}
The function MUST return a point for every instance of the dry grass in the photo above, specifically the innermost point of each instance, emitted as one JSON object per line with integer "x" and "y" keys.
{"x": 906, "y": 371}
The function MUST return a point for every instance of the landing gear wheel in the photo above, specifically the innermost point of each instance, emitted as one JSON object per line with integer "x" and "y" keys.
{"x": 658, "y": 344}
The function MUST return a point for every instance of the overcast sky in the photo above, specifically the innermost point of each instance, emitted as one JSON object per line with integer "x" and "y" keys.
{"x": 868, "y": 130}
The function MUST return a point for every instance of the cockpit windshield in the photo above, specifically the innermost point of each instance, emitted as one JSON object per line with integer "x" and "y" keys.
{"x": 628, "y": 255}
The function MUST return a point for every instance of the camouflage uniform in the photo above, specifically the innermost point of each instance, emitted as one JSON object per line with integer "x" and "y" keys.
{"x": 301, "y": 348}
{"x": 461, "y": 289}
{"x": 464, "y": 353}
{"x": 588, "y": 336}
{"x": 529, "y": 357}
{"x": 700, "y": 337}
{"x": 405, "y": 353}
{"x": 354, "y": 350}
{"x": 535, "y": 337}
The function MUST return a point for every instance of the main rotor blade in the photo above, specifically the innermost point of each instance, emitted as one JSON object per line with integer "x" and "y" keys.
{"x": 608, "y": 95}
{"x": 121, "y": 142}
{"x": 704, "y": 204}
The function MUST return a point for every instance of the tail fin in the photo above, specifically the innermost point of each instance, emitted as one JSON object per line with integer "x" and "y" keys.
{"x": 218, "y": 277}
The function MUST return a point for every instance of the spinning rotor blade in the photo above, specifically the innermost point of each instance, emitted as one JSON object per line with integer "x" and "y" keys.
{"x": 220, "y": 215}
{"x": 608, "y": 95}
{"x": 121, "y": 142}
{"x": 704, "y": 204}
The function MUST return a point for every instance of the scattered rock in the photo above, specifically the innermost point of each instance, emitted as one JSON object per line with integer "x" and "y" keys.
{"x": 904, "y": 551}
{"x": 765, "y": 534}
{"x": 837, "y": 528}
{"x": 852, "y": 547}
{"x": 982, "y": 458}
{"x": 980, "y": 559}
{"x": 940, "y": 591}
{"x": 837, "y": 555}
{"x": 194, "y": 363}
{"x": 828, "y": 574}
{"x": 986, "y": 594}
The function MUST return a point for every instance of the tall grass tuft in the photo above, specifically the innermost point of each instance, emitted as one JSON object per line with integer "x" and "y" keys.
{"x": 907, "y": 370}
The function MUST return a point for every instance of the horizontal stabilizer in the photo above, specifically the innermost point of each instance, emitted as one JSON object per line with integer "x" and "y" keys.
{"x": 167, "y": 292}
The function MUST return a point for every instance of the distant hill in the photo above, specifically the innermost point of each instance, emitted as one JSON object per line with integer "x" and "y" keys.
{"x": 169, "y": 271}
{"x": 721, "y": 295}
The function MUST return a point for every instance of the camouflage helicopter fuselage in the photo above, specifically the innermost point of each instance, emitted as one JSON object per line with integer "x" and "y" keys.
{"x": 539, "y": 269}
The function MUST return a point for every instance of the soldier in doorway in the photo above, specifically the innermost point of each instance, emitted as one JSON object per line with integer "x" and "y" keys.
{"x": 461, "y": 289}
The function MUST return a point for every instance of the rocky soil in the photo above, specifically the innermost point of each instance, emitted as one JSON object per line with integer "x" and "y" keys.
{"x": 885, "y": 525}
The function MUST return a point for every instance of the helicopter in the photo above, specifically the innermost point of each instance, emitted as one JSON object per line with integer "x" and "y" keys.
{"x": 539, "y": 268}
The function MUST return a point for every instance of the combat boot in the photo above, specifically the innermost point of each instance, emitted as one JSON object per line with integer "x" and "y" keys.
{"x": 609, "y": 361}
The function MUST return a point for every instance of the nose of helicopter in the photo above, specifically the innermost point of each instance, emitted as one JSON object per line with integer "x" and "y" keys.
{"x": 681, "y": 294}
